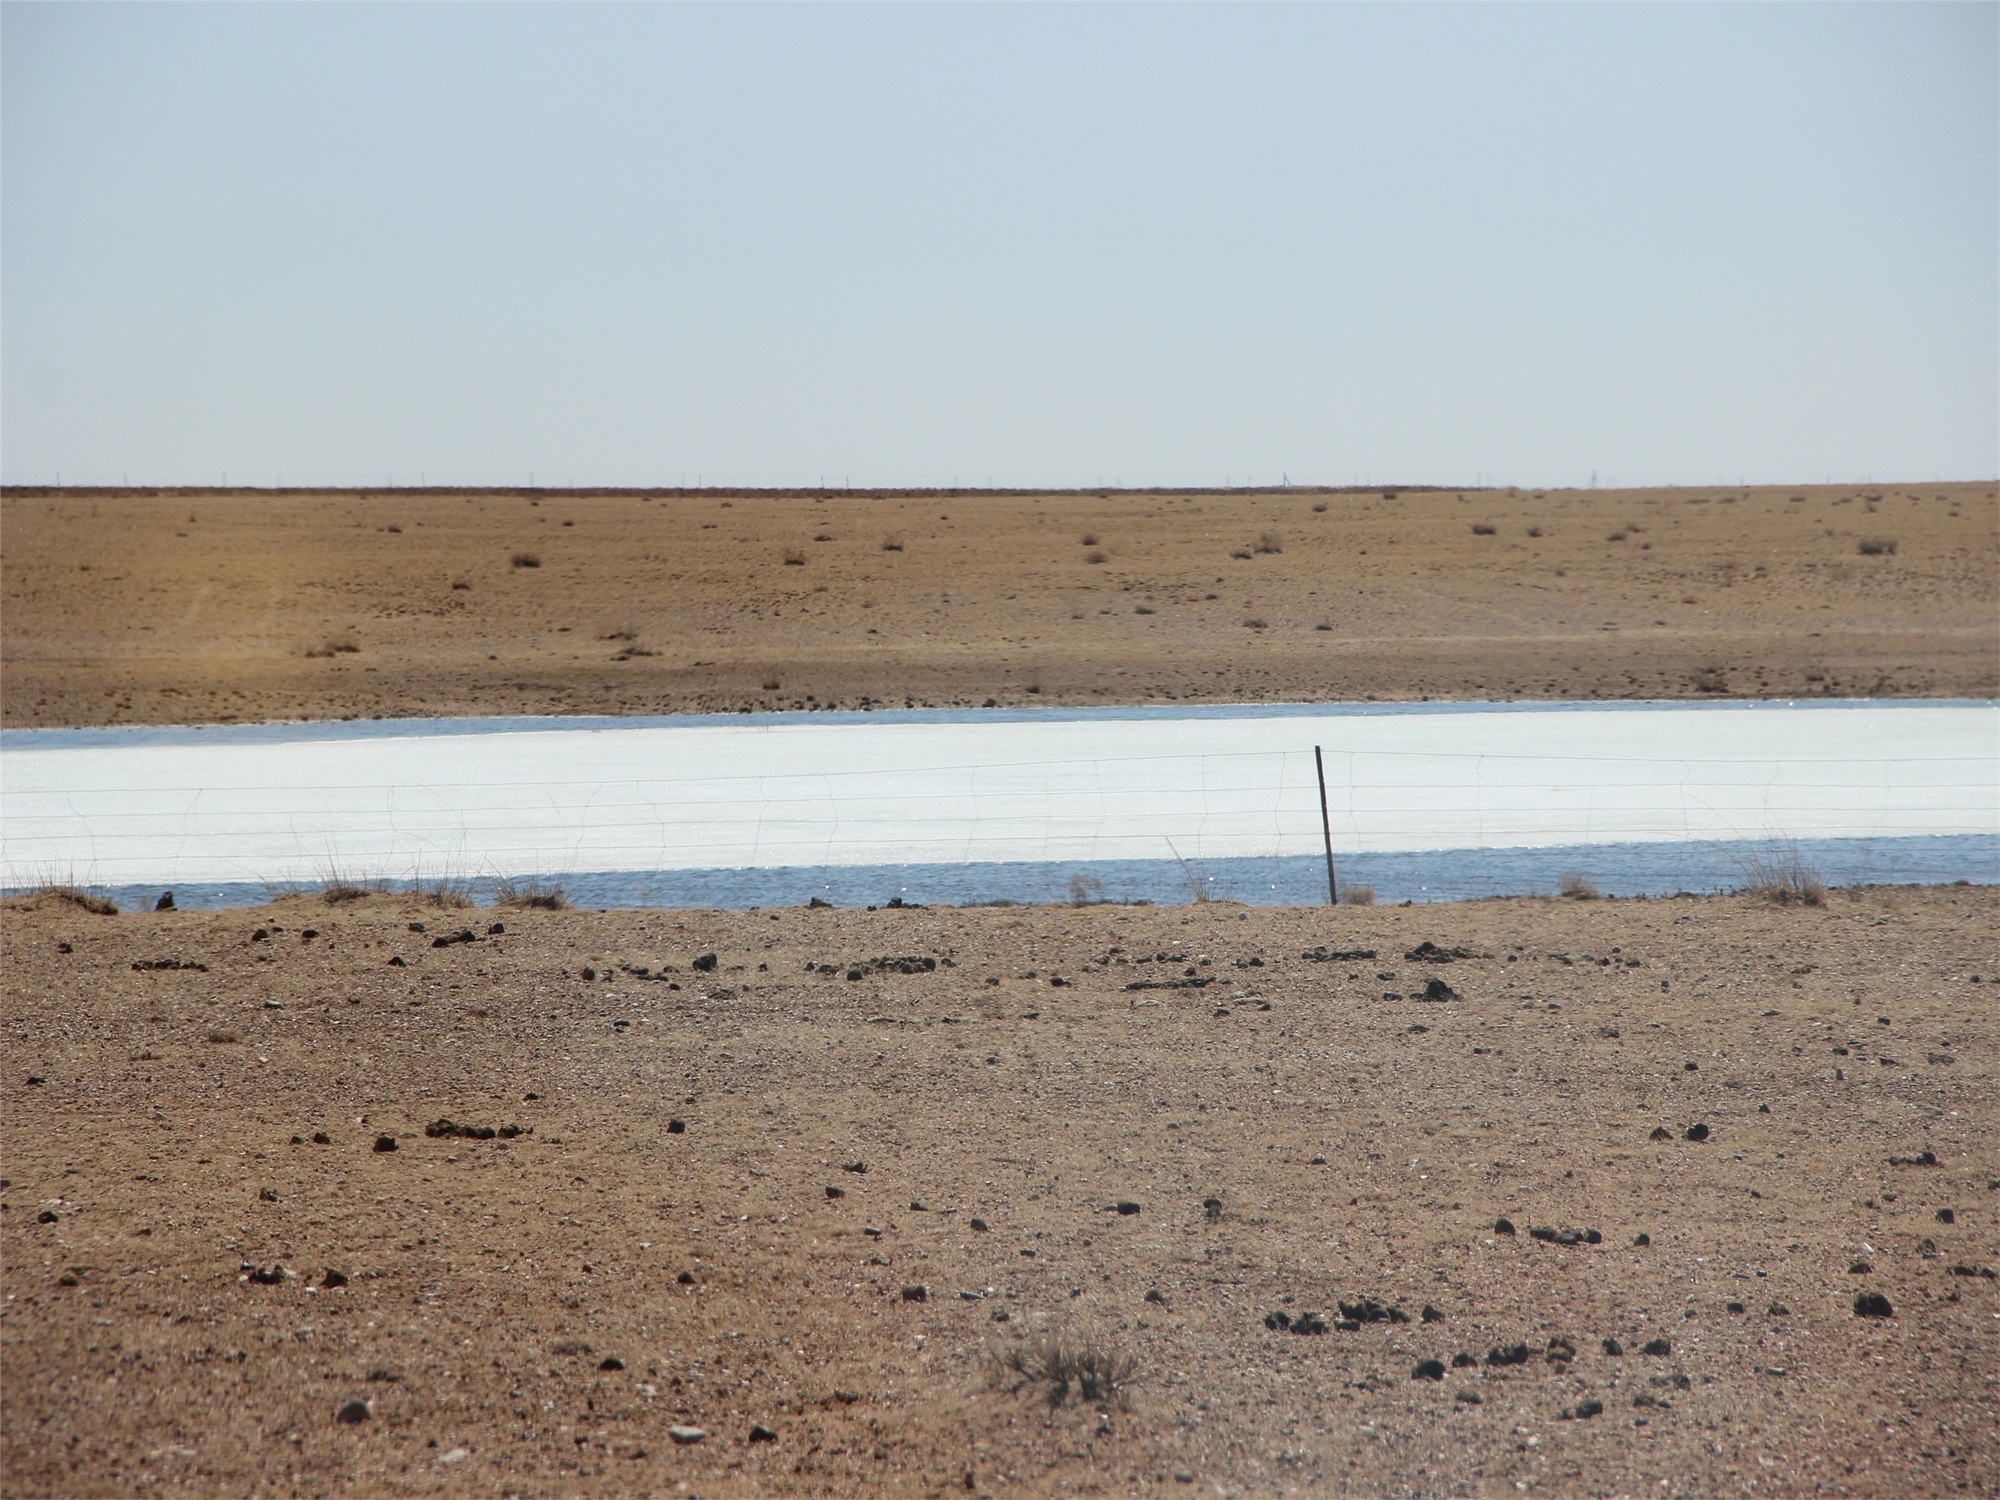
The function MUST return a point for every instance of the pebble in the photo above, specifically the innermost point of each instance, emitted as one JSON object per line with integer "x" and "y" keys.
{"x": 1125, "y": 1206}
{"x": 1697, "y": 1132}
{"x": 48, "y": 1216}
{"x": 1642, "y": 1239}
{"x": 834, "y": 1192}
{"x": 333, "y": 1278}
{"x": 686, "y": 1435}
{"x": 321, "y": 1138}
{"x": 611, "y": 1362}
{"x": 978, "y": 1225}
{"x": 1873, "y": 1305}
{"x": 1946, "y": 1216}
{"x": 1503, "y": 1226}
{"x": 916, "y": 1294}
{"x": 1156, "y": 1295}
{"x": 385, "y": 1143}
{"x": 686, "y": 1278}
{"x": 762, "y": 1434}
{"x": 677, "y": 1127}
{"x": 854, "y": 1166}
{"x": 354, "y": 1411}
{"x": 1431, "y": 1314}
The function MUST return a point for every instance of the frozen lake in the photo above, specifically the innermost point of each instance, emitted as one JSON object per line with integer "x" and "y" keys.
{"x": 748, "y": 810}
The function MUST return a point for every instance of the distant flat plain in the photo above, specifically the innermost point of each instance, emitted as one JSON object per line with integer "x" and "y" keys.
{"x": 182, "y": 606}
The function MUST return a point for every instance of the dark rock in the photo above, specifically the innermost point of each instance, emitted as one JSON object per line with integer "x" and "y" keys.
{"x": 1212, "y": 1207}
{"x": 48, "y": 1216}
{"x": 1368, "y": 1310}
{"x": 1437, "y": 989}
{"x": 1431, "y": 953}
{"x": 332, "y": 1278}
{"x": 1658, "y": 1347}
{"x": 1325, "y": 955}
{"x": 916, "y": 1294}
{"x": 1946, "y": 1216}
{"x": 1697, "y": 1132}
{"x": 1158, "y": 1296}
{"x": 760, "y": 1433}
{"x": 853, "y": 973}
{"x": 1660, "y": 1133}
{"x": 1199, "y": 982}
{"x": 396, "y": 961}
{"x": 978, "y": 1225}
{"x": 1561, "y": 1349}
{"x": 818, "y": 904}
{"x": 1779, "y": 1310}
{"x": 1125, "y": 1206}
{"x": 1873, "y": 1305}
{"x": 1613, "y": 1348}
{"x": 385, "y": 1143}
{"x": 686, "y": 1278}
{"x": 1859, "y": 1268}
{"x": 466, "y": 936}
{"x": 272, "y": 1275}
{"x": 917, "y": 1208}
{"x": 854, "y": 1166}
{"x": 167, "y": 965}
{"x": 705, "y": 963}
{"x": 354, "y": 1411}
{"x": 1691, "y": 1067}
{"x": 1277, "y": 1321}
{"x": 589, "y": 974}
{"x": 835, "y": 1192}
{"x": 1583, "y": 1411}
{"x": 1431, "y": 1314}
{"x": 1735, "y": 1307}
{"x": 1503, "y": 1226}
{"x": 1348, "y": 1325}
{"x": 165, "y": 903}
{"x": 1512, "y": 1354}
{"x": 677, "y": 1127}
{"x": 1429, "y": 1369}
{"x": 611, "y": 1362}
{"x": 1642, "y": 1239}
{"x": 496, "y": 929}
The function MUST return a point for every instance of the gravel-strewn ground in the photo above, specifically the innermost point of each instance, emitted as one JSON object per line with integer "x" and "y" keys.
{"x": 532, "y": 1315}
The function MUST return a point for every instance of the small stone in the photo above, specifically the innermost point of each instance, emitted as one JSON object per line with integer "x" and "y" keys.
{"x": 686, "y": 1435}
{"x": 354, "y": 1411}
{"x": 1463, "y": 1361}
{"x": 762, "y": 1434}
{"x": 385, "y": 1143}
{"x": 1779, "y": 1310}
{"x": 1873, "y": 1305}
{"x": 705, "y": 964}
{"x": 1656, "y": 1347}
{"x": 835, "y": 1192}
{"x": 1661, "y": 1133}
{"x": 917, "y": 1208}
{"x": 1471, "y": 1398}
{"x": 1317, "y": 1161}
{"x": 1691, "y": 1067}
{"x": 1125, "y": 1206}
{"x": 977, "y": 1224}
{"x": 321, "y": 1138}
{"x": 1585, "y": 1410}
{"x": 611, "y": 1362}
{"x": 1213, "y": 1208}
{"x": 1431, "y": 1314}
{"x": 332, "y": 1278}
{"x": 916, "y": 1294}
{"x": 1735, "y": 1307}
{"x": 1697, "y": 1132}
{"x": 1613, "y": 1348}
{"x": 1642, "y": 1239}
{"x": 1946, "y": 1216}
{"x": 1503, "y": 1226}
{"x": 854, "y": 1166}
{"x": 48, "y": 1216}
{"x": 1859, "y": 1268}
{"x": 68, "y": 1278}
{"x": 1429, "y": 1369}
{"x": 1437, "y": 989}
{"x": 677, "y": 1127}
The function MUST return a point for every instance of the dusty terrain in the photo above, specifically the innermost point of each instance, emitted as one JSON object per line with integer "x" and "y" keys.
{"x": 531, "y": 1315}
{"x": 177, "y": 607}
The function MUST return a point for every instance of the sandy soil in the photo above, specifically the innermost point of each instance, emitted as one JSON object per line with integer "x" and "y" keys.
{"x": 181, "y": 607}
{"x": 532, "y": 1315}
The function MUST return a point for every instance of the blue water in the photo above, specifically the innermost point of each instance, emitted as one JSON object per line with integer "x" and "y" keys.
{"x": 1653, "y": 869}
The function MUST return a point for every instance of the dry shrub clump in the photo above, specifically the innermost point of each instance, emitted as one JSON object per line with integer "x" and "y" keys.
{"x": 333, "y": 648}
{"x": 525, "y": 560}
{"x": 97, "y": 906}
{"x": 1096, "y": 1372}
{"x": 1878, "y": 546}
{"x": 1480, "y": 528}
{"x": 529, "y": 893}
{"x": 1270, "y": 542}
{"x": 1577, "y": 888}
{"x": 1096, "y": 555}
{"x": 1357, "y": 895}
{"x": 892, "y": 544}
{"x": 1784, "y": 877}
{"x": 794, "y": 558}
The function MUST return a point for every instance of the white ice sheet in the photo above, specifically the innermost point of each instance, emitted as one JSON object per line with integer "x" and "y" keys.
{"x": 852, "y": 791}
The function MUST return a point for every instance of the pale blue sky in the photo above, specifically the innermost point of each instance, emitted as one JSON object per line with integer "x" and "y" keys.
{"x": 631, "y": 244}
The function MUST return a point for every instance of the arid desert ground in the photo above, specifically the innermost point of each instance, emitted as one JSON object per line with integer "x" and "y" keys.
{"x": 180, "y": 607}
{"x": 818, "y": 1196}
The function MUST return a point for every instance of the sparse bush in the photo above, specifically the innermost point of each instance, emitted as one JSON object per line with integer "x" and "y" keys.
{"x": 1480, "y": 528}
{"x": 1085, "y": 890}
{"x": 525, "y": 560}
{"x": 1255, "y": 624}
{"x": 1144, "y": 609}
{"x": 1321, "y": 506}
{"x": 1534, "y": 531}
{"x": 892, "y": 544}
{"x": 622, "y": 632}
{"x": 1242, "y": 554}
{"x": 1097, "y": 1372}
{"x": 1096, "y": 555}
{"x": 334, "y": 648}
{"x": 1322, "y": 626}
{"x": 529, "y": 893}
{"x": 1878, "y": 546}
{"x": 1782, "y": 876}
{"x": 1270, "y": 542}
{"x": 794, "y": 558}
{"x": 1577, "y": 888}
{"x": 772, "y": 684}
{"x": 1357, "y": 895}
{"x": 1089, "y": 539}
{"x": 97, "y": 906}
{"x": 337, "y": 890}
{"x": 824, "y": 536}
